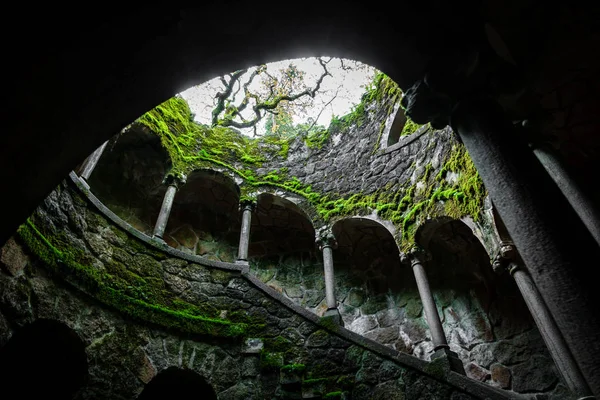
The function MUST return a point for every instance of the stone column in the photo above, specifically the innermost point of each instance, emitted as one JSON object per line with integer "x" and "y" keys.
{"x": 247, "y": 207}
{"x": 581, "y": 203}
{"x": 508, "y": 259}
{"x": 163, "y": 217}
{"x": 417, "y": 258}
{"x": 90, "y": 163}
{"x": 553, "y": 242}
{"x": 326, "y": 242}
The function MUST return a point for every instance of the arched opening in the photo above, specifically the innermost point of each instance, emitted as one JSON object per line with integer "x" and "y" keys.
{"x": 485, "y": 318}
{"x": 175, "y": 383}
{"x": 282, "y": 248}
{"x": 394, "y": 129}
{"x": 204, "y": 219}
{"x": 376, "y": 293}
{"x": 45, "y": 359}
{"x": 279, "y": 227}
{"x": 128, "y": 177}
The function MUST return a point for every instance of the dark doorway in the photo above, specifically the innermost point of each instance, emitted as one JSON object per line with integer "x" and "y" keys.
{"x": 175, "y": 383}
{"x": 45, "y": 359}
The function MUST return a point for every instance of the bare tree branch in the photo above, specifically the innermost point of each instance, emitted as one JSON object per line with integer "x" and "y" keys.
{"x": 261, "y": 106}
{"x": 323, "y": 109}
{"x": 223, "y": 96}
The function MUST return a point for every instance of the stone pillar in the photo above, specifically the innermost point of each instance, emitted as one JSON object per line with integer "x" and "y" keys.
{"x": 565, "y": 363}
{"x": 90, "y": 163}
{"x": 553, "y": 242}
{"x": 163, "y": 217}
{"x": 247, "y": 207}
{"x": 581, "y": 203}
{"x": 417, "y": 258}
{"x": 326, "y": 242}
{"x": 508, "y": 260}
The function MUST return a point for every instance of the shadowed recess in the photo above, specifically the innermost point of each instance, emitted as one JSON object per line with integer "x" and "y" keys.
{"x": 370, "y": 251}
{"x": 279, "y": 227}
{"x": 205, "y": 209}
{"x": 175, "y": 383}
{"x": 128, "y": 177}
{"x": 45, "y": 359}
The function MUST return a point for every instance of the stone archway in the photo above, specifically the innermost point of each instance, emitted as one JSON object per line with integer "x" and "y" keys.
{"x": 176, "y": 383}
{"x": 282, "y": 251}
{"x": 279, "y": 227}
{"x": 44, "y": 359}
{"x": 371, "y": 250}
{"x": 378, "y": 296}
{"x": 128, "y": 177}
{"x": 204, "y": 219}
{"x": 485, "y": 319}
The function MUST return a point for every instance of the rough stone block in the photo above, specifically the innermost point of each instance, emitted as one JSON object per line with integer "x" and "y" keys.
{"x": 500, "y": 375}
{"x": 13, "y": 258}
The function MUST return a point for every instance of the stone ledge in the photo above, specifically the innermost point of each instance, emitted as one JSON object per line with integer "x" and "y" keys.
{"x": 405, "y": 140}
{"x": 159, "y": 244}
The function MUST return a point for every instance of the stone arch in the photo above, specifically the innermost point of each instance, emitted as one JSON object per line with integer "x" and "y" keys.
{"x": 299, "y": 202}
{"x": 177, "y": 383}
{"x": 480, "y": 311}
{"x": 377, "y": 294}
{"x": 457, "y": 253}
{"x": 282, "y": 250}
{"x": 128, "y": 177}
{"x": 44, "y": 359}
{"x": 204, "y": 218}
{"x": 370, "y": 247}
{"x": 279, "y": 227}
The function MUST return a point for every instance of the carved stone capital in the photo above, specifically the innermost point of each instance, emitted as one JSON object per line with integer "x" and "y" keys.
{"x": 416, "y": 255}
{"x": 326, "y": 238}
{"x": 177, "y": 180}
{"x": 506, "y": 256}
{"x": 247, "y": 204}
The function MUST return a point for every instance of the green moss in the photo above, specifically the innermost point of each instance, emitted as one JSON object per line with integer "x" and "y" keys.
{"x": 270, "y": 361}
{"x": 333, "y": 395}
{"x": 293, "y": 368}
{"x": 329, "y": 324}
{"x": 315, "y": 381}
{"x": 410, "y": 127}
{"x": 316, "y": 139}
{"x": 193, "y": 146}
{"x": 139, "y": 298}
{"x": 277, "y": 344}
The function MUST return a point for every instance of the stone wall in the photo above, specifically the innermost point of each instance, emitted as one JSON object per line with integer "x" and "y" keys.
{"x": 129, "y": 341}
{"x": 484, "y": 318}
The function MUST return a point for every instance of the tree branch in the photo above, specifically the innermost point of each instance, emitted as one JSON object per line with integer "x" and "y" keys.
{"x": 323, "y": 109}
{"x": 270, "y": 105}
{"x": 223, "y": 96}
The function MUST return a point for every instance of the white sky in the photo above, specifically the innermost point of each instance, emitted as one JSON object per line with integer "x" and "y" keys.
{"x": 351, "y": 84}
